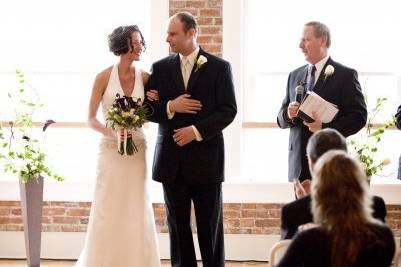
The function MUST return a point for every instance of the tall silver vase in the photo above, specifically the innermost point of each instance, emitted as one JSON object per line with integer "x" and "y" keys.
{"x": 31, "y": 205}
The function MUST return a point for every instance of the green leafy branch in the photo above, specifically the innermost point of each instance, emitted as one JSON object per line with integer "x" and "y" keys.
{"x": 21, "y": 153}
{"x": 366, "y": 147}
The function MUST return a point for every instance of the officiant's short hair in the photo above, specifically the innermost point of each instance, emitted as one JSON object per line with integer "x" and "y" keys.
{"x": 320, "y": 30}
{"x": 324, "y": 140}
{"x": 188, "y": 20}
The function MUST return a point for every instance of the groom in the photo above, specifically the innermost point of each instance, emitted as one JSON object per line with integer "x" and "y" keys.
{"x": 196, "y": 103}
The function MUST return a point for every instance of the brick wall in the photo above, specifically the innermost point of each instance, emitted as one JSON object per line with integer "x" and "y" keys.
{"x": 209, "y": 16}
{"x": 239, "y": 218}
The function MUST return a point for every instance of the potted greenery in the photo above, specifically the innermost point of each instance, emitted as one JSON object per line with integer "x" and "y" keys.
{"x": 23, "y": 155}
{"x": 365, "y": 145}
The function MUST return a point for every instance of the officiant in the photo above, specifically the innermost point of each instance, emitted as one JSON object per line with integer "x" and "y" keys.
{"x": 332, "y": 81}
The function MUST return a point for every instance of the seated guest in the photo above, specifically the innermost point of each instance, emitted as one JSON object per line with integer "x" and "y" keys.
{"x": 298, "y": 212}
{"x": 346, "y": 234}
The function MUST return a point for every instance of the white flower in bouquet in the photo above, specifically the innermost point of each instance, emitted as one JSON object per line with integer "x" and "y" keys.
{"x": 127, "y": 114}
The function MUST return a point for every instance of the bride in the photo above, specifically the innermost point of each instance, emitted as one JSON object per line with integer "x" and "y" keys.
{"x": 121, "y": 229}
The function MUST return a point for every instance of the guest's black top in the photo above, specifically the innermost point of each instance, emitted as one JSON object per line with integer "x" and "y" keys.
{"x": 312, "y": 248}
{"x": 398, "y": 117}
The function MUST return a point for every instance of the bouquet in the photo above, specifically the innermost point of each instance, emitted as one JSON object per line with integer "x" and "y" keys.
{"x": 126, "y": 115}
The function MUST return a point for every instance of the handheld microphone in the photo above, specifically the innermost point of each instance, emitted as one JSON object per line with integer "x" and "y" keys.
{"x": 299, "y": 91}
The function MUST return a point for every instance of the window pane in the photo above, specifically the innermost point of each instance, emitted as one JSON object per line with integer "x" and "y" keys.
{"x": 52, "y": 36}
{"x": 60, "y": 46}
{"x": 273, "y": 31}
{"x": 73, "y": 152}
{"x": 378, "y": 85}
{"x": 264, "y": 96}
{"x": 264, "y": 155}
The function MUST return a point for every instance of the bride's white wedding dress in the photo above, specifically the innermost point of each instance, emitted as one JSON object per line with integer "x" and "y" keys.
{"x": 121, "y": 229}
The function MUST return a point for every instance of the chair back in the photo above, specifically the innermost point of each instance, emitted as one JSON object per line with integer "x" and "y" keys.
{"x": 278, "y": 250}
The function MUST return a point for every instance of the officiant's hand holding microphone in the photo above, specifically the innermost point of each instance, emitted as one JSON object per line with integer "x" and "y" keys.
{"x": 293, "y": 107}
{"x": 292, "y": 110}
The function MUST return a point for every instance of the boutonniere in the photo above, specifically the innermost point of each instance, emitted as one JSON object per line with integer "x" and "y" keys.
{"x": 328, "y": 71}
{"x": 200, "y": 62}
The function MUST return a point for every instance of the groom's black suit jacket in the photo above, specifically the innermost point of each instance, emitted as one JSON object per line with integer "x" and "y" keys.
{"x": 398, "y": 117}
{"x": 198, "y": 162}
{"x": 342, "y": 88}
{"x": 299, "y": 212}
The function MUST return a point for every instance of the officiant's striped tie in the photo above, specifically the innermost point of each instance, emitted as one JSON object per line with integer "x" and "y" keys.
{"x": 310, "y": 83}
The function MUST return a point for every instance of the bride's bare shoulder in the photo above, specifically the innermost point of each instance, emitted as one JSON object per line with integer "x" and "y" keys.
{"x": 104, "y": 75}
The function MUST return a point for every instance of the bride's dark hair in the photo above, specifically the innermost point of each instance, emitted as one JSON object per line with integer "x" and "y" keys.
{"x": 120, "y": 38}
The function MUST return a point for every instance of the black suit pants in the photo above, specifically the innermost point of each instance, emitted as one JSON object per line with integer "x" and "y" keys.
{"x": 207, "y": 201}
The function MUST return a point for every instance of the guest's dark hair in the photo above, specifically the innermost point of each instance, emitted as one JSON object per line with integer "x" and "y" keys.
{"x": 120, "y": 39}
{"x": 323, "y": 141}
{"x": 188, "y": 20}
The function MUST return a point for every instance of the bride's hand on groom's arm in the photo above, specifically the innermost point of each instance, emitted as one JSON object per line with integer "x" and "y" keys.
{"x": 184, "y": 104}
{"x": 152, "y": 95}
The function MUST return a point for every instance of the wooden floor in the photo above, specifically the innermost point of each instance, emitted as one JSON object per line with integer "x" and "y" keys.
{"x": 53, "y": 263}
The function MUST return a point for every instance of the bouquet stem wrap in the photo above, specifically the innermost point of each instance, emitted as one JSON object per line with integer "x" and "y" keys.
{"x": 126, "y": 146}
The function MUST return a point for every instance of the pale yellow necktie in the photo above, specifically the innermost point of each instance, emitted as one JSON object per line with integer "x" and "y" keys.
{"x": 185, "y": 71}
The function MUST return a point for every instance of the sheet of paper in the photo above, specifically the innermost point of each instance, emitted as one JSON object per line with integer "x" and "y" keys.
{"x": 315, "y": 103}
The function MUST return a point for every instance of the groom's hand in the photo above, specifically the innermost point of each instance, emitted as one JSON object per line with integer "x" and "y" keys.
{"x": 184, "y": 104}
{"x": 184, "y": 135}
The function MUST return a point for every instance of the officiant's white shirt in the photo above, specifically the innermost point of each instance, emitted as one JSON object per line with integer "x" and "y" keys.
{"x": 319, "y": 67}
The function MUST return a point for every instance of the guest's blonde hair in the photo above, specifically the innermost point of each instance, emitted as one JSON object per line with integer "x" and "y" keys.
{"x": 341, "y": 205}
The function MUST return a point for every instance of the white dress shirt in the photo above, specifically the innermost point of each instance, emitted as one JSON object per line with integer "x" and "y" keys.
{"x": 190, "y": 64}
{"x": 186, "y": 73}
{"x": 319, "y": 67}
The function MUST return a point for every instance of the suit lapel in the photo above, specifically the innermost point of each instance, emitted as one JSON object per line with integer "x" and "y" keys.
{"x": 176, "y": 73}
{"x": 304, "y": 76}
{"x": 322, "y": 80}
{"x": 196, "y": 73}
